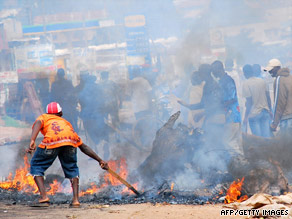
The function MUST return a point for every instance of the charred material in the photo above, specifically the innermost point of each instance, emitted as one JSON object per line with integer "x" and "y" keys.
{"x": 268, "y": 163}
{"x": 112, "y": 195}
{"x": 172, "y": 149}
{"x": 173, "y": 152}
{"x": 264, "y": 165}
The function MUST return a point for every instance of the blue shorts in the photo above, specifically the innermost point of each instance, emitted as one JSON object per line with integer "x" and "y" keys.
{"x": 44, "y": 158}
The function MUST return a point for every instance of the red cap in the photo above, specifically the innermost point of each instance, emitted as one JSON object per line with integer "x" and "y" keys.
{"x": 53, "y": 107}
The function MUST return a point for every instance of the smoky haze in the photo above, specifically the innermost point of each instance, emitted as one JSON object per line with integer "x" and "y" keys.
{"x": 115, "y": 101}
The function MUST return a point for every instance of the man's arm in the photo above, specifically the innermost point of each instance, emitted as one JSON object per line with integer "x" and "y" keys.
{"x": 280, "y": 103}
{"x": 35, "y": 131}
{"x": 269, "y": 102}
{"x": 89, "y": 152}
{"x": 232, "y": 94}
{"x": 191, "y": 106}
{"x": 227, "y": 103}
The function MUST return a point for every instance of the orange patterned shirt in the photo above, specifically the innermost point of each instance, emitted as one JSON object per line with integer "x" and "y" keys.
{"x": 57, "y": 132}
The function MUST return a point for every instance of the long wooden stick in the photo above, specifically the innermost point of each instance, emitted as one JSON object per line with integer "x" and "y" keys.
{"x": 123, "y": 181}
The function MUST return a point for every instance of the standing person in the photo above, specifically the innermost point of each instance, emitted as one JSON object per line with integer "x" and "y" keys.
{"x": 42, "y": 87}
{"x": 257, "y": 71}
{"x": 258, "y": 103}
{"x": 196, "y": 92}
{"x": 282, "y": 112}
{"x": 237, "y": 76}
{"x": 63, "y": 92}
{"x": 212, "y": 104}
{"x": 141, "y": 95}
{"x": 211, "y": 100}
{"x": 60, "y": 140}
{"x": 92, "y": 113}
{"x": 111, "y": 92}
{"x": 214, "y": 122}
{"x": 232, "y": 127}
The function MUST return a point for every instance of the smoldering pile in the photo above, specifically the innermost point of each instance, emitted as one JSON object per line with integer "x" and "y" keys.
{"x": 155, "y": 177}
{"x": 112, "y": 195}
{"x": 172, "y": 162}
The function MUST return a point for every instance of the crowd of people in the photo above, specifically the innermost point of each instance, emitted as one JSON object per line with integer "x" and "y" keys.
{"x": 217, "y": 97}
{"x": 223, "y": 101}
{"x": 89, "y": 102}
{"x": 223, "y": 95}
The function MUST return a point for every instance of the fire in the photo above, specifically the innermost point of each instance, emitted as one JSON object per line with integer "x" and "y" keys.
{"x": 234, "y": 192}
{"x": 119, "y": 166}
{"x": 129, "y": 191}
{"x": 93, "y": 189}
{"x": 23, "y": 181}
{"x": 54, "y": 187}
{"x": 171, "y": 187}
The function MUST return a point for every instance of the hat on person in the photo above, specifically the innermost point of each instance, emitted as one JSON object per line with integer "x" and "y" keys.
{"x": 272, "y": 63}
{"x": 53, "y": 108}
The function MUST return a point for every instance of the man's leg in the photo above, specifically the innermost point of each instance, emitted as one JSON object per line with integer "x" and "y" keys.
{"x": 233, "y": 139}
{"x": 265, "y": 125}
{"x": 39, "y": 180}
{"x": 75, "y": 188}
{"x": 40, "y": 162}
{"x": 68, "y": 160}
{"x": 254, "y": 124}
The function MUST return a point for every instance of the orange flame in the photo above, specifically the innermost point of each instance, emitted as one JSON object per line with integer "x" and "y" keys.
{"x": 171, "y": 187}
{"x": 54, "y": 188}
{"x": 120, "y": 167}
{"x": 234, "y": 192}
{"x": 126, "y": 190}
{"x": 93, "y": 189}
{"x": 23, "y": 181}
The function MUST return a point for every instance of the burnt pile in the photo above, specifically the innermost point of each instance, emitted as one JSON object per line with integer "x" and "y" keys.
{"x": 169, "y": 153}
{"x": 268, "y": 164}
{"x": 177, "y": 171}
{"x": 179, "y": 154}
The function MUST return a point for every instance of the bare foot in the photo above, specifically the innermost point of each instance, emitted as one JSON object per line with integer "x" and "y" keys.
{"x": 42, "y": 200}
{"x": 75, "y": 204}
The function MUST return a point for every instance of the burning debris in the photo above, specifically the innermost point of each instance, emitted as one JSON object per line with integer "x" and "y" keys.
{"x": 23, "y": 182}
{"x": 170, "y": 152}
{"x": 22, "y": 189}
{"x": 156, "y": 180}
{"x": 267, "y": 165}
{"x": 110, "y": 189}
{"x": 234, "y": 192}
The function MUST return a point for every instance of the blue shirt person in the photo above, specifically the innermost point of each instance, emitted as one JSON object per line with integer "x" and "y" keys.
{"x": 230, "y": 100}
{"x": 232, "y": 129}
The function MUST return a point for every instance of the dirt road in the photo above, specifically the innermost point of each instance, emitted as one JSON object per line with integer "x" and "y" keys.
{"x": 130, "y": 211}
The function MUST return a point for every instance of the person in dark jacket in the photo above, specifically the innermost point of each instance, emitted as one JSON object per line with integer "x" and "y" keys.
{"x": 93, "y": 115}
{"x": 282, "y": 112}
{"x": 63, "y": 92}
